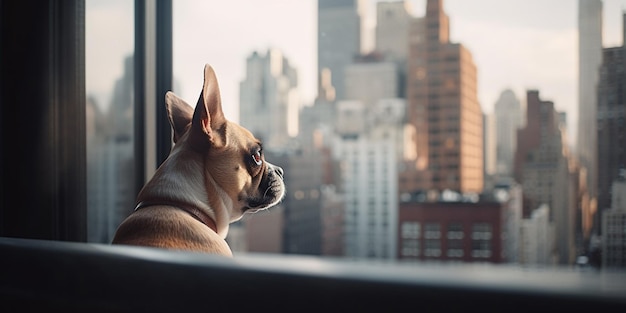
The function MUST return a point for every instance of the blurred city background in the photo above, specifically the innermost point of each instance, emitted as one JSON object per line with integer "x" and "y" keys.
{"x": 400, "y": 140}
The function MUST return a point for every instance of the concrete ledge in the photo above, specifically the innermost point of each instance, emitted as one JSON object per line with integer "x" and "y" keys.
{"x": 69, "y": 276}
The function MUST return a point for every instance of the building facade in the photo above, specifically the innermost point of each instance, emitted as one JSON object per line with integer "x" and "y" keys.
{"x": 451, "y": 231}
{"x": 340, "y": 26}
{"x": 589, "y": 61}
{"x": 614, "y": 226}
{"x": 443, "y": 105}
{"x": 611, "y": 123}
{"x": 508, "y": 119}
{"x": 393, "y": 23}
{"x": 536, "y": 238}
{"x": 370, "y": 145}
{"x": 371, "y": 78}
{"x": 544, "y": 166}
{"x": 268, "y": 98}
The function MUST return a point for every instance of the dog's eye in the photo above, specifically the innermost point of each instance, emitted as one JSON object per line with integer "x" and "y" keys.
{"x": 256, "y": 157}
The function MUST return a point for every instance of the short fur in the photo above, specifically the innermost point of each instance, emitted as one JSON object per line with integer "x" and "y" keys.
{"x": 216, "y": 168}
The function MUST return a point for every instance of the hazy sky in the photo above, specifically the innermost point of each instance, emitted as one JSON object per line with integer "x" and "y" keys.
{"x": 517, "y": 44}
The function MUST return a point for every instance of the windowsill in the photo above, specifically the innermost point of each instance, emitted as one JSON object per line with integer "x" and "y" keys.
{"x": 77, "y": 275}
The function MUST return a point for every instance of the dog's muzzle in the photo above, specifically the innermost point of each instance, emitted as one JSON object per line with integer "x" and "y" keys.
{"x": 271, "y": 189}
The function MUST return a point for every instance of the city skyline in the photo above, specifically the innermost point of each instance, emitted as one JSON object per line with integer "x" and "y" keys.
{"x": 370, "y": 159}
{"x": 224, "y": 39}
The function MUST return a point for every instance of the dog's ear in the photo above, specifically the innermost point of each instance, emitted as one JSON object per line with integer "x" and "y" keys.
{"x": 208, "y": 117}
{"x": 179, "y": 113}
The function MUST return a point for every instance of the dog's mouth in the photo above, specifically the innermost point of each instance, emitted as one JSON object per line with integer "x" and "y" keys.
{"x": 271, "y": 192}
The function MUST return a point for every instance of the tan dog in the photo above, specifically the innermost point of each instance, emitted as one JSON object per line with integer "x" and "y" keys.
{"x": 214, "y": 174}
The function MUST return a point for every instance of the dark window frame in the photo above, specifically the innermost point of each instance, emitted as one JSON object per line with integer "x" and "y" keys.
{"x": 42, "y": 112}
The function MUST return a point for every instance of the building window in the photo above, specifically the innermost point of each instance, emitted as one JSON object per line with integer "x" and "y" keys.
{"x": 432, "y": 231}
{"x": 410, "y": 230}
{"x": 455, "y": 248}
{"x": 455, "y": 240}
{"x": 481, "y": 240}
{"x": 481, "y": 231}
{"x": 432, "y": 235}
{"x": 433, "y": 248}
{"x": 455, "y": 231}
{"x": 410, "y": 248}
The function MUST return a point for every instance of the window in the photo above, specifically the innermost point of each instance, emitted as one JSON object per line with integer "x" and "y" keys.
{"x": 410, "y": 248}
{"x": 455, "y": 231}
{"x": 481, "y": 240}
{"x": 411, "y": 230}
{"x": 109, "y": 84}
{"x": 432, "y": 231}
{"x": 74, "y": 179}
{"x": 455, "y": 240}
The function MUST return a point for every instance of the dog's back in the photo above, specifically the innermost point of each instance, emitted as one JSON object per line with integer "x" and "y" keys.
{"x": 171, "y": 228}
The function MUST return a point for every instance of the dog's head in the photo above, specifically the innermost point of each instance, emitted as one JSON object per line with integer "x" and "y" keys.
{"x": 237, "y": 177}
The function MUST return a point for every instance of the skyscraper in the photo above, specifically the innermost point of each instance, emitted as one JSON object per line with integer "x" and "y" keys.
{"x": 371, "y": 152}
{"x": 339, "y": 31}
{"x": 508, "y": 118}
{"x": 589, "y": 61}
{"x": 393, "y": 22}
{"x": 443, "y": 104}
{"x": 611, "y": 118}
{"x": 542, "y": 166}
{"x": 268, "y": 98}
{"x": 370, "y": 79}
{"x": 392, "y": 29}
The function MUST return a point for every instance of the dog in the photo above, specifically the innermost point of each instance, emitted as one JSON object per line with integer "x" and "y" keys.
{"x": 214, "y": 174}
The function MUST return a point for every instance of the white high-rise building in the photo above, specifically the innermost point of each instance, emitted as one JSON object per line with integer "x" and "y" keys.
{"x": 589, "y": 61}
{"x": 508, "y": 119}
{"x": 536, "y": 238}
{"x": 370, "y": 153}
{"x": 268, "y": 98}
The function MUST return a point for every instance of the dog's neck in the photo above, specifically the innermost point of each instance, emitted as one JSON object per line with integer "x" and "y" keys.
{"x": 179, "y": 182}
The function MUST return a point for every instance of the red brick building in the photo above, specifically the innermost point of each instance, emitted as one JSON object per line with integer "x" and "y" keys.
{"x": 443, "y": 105}
{"x": 451, "y": 231}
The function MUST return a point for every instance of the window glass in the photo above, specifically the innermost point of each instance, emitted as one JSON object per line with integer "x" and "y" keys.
{"x": 109, "y": 32}
{"x": 308, "y": 78}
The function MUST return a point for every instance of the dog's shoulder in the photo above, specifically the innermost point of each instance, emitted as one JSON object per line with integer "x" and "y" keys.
{"x": 170, "y": 228}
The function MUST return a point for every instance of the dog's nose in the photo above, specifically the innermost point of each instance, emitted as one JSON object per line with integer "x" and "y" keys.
{"x": 279, "y": 171}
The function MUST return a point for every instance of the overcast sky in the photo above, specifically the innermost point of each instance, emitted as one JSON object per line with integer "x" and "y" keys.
{"x": 517, "y": 44}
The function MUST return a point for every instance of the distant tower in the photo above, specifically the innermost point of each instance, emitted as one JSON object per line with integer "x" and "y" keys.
{"x": 539, "y": 148}
{"x": 589, "y": 61}
{"x": 393, "y": 22}
{"x": 268, "y": 98}
{"x": 392, "y": 29}
{"x": 339, "y": 31}
{"x": 611, "y": 128}
{"x": 443, "y": 104}
{"x": 543, "y": 167}
{"x": 508, "y": 118}
{"x": 370, "y": 79}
